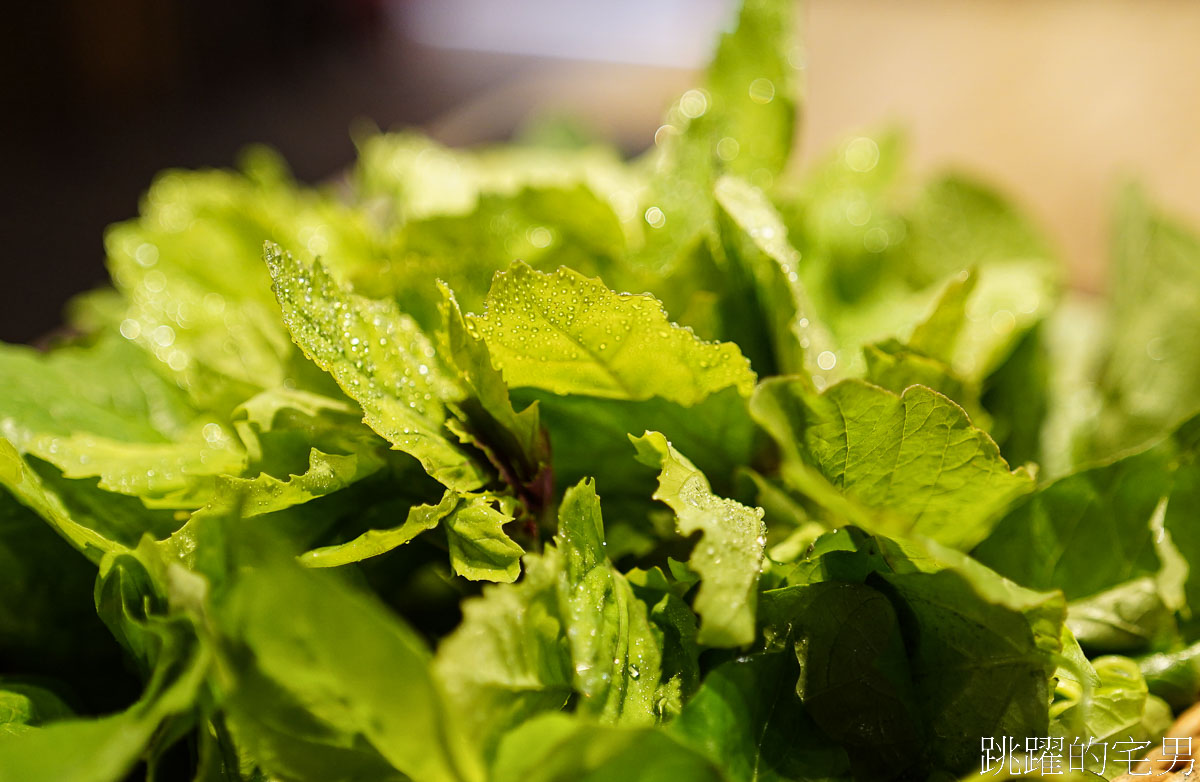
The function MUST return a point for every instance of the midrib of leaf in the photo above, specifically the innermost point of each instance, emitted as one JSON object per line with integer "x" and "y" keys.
{"x": 899, "y": 450}
{"x": 949, "y": 608}
{"x": 931, "y": 490}
{"x": 762, "y": 734}
{"x": 608, "y": 370}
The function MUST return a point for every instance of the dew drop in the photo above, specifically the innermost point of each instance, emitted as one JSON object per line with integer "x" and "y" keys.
{"x": 163, "y": 336}
{"x": 862, "y": 154}
{"x": 155, "y": 281}
{"x": 146, "y": 255}
{"x": 875, "y": 240}
{"x": 858, "y": 212}
{"x": 130, "y": 329}
{"x": 1003, "y": 322}
{"x": 693, "y": 103}
{"x": 762, "y": 91}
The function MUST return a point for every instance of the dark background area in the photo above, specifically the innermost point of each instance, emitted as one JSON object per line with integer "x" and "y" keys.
{"x": 1052, "y": 101}
{"x": 99, "y": 95}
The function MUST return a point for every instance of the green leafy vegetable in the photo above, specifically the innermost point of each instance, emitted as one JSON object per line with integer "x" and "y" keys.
{"x": 730, "y": 548}
{"x": 557, "y": 748}
{"x": 1149, "y": 380}
{"x": 569, "y": 334}
{"x": 363, "y": 506}
{"x": 1118, "y": 708}
{"x": 908, "y": 463}
{"x": 346, "y": 660}
{"x": 380, "y": 358}
{"x": 499, "y": 672}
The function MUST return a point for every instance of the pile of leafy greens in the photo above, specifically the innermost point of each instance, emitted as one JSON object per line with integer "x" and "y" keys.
{"x": 418, "y": 493}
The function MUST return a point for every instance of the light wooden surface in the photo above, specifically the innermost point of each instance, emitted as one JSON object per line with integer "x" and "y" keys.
{"x": 1054, "y": 101}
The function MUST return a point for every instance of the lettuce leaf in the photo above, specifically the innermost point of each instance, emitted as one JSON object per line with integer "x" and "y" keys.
{"x": 335, "y": 513}
{"x": 730, "y": 549}
{"x": 569, "y": 334}
{"x": 902, "y": 464}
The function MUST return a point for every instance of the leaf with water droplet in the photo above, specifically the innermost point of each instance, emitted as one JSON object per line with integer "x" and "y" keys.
{"x": 567, "y": 358}
{"x": 718, "y": 432}
{"x": 614, "y": 648}
{"x": 104, "y": 411}
{"x": 766, "y": 310}
{"x": 195, "y": 293}
{"x": 686, "y": 161}
{"x": 391, "y": 389}
{"x": 464, "y": 250}
{"x": 729, "y": 554}
{"x": 92, "y": 536}
{"x": 572, "y": 624}
{"x": 513, "y": 441}
{"x": 326, "y": 473}
{"x": 179, "y": 474}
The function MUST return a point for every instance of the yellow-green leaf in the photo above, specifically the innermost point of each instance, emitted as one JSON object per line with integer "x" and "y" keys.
{"x": 730, "y": 552}
{"x": 380, "y": 358}
{"x": 570, "y": 334}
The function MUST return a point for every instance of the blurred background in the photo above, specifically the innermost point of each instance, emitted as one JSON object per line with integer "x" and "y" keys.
{"x": 1054, "y": 101}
